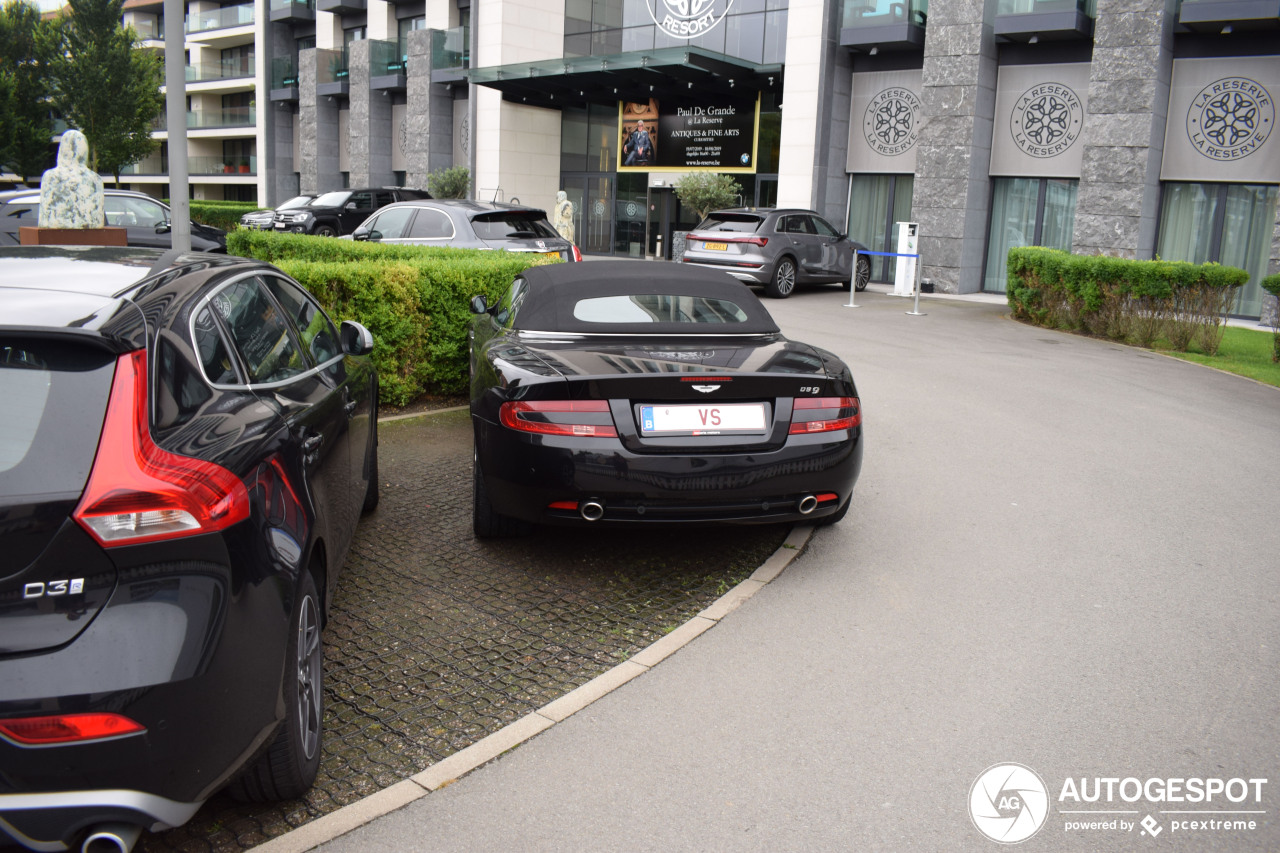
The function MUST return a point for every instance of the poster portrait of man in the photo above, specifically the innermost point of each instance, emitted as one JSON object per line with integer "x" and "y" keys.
{"x": 639, "y": 134}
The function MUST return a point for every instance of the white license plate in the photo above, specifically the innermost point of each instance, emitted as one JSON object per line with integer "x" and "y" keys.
{"x": 711, "y": 419}
{"x": 281, "y": 226}
{"x": 716, "y": 247}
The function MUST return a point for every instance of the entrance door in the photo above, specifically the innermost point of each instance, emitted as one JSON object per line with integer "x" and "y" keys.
{"x": 1027, "y": 212}
{"x": 592, "y": 197}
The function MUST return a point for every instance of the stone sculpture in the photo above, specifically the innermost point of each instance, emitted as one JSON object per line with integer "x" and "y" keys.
{"x": 563, "y": 214}
{"x": 71, "y": 193}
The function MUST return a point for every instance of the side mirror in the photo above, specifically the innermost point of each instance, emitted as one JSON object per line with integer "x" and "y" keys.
{"x": 361, "y": 234}
{"x": 356, "y": 339}
{"x": 163, "y": 227}
{"x": 351, "y": 205}
{"x": 479, "y": 305}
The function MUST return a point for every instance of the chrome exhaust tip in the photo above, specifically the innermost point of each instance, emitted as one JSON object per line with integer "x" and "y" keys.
{"x": 591, "y": 510}
{"x": 807, "y": 504}
{"x": 112, "y": 838}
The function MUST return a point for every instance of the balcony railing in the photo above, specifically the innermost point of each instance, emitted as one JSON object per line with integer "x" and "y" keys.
{"x": 227, "y": 70}
{"x": 1036, "y": 7}
{"x": 226, "y": 117}
{"x": 149, "y": 28}
{"x": 451, "y": 48}
{"x": 332, "y": 65}
{"x": 217, "y": 19}
{"x": 386, "y": 58}
{"x": 1224, "y": 16}
{"x": 860, "y": 13}
{"x": 284, "y": 73}
{"x": 198, "y": 166}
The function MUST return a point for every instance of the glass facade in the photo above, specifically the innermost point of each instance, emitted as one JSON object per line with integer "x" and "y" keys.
{"x": 1230, "y": 224}
{"x": 1027, "y": 212}
{"x": 754, "y": 30}
{"x": 876, "y": 203}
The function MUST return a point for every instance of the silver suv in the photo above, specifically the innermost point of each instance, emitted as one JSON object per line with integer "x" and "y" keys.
{"x": 776, "y": 247}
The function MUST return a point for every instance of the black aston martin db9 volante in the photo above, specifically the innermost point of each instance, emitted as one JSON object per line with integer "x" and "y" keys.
{"x": 616, "y": 392}
{"x": 186, "y": 447}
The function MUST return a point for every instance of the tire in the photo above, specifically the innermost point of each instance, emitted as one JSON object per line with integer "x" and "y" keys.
{"x": 288, "y": 768}
{"x": 487, "y": 523}
{"x": 371, "y": 491}
{"x": 784, "y": 279}
{"x": 836, "y": 516}
{"x": 324, "y": 230}
{"x": 862, "y": 275}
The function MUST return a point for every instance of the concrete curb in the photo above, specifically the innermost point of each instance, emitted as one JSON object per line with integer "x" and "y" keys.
{"x": 486, "y": 749}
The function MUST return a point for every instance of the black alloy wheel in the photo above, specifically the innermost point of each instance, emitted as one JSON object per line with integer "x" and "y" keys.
{"x": 784, "y": 279}
{"x": 324, "y": 230}
{"x": 862, "y": 275}
{"x": 288, "y": 768}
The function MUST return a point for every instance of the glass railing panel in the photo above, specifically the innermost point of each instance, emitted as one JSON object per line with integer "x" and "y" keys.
{"x": 284, "y": 72}
{"x": 879, "y": 13}
{"x": 332, "y": 65}
{"x": 1031, "y": 7}
{"x": 148, "y": 29}
{"x": 225, "y": 117}
{"x": 385, "y": 57}
{"x": 217, "y": 19}
{"x": 451, "y": 48}
{"x": 225, "y": 70}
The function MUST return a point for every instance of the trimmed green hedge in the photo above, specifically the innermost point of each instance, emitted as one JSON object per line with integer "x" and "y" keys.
{"x": 1271, "y": 284}
{"x": 1122, "y": 299}
{"x": 220, "y": 214}
{"x": 415, "y": 300}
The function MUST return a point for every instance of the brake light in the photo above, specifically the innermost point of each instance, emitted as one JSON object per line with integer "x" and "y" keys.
{"x": 717, "y": 238}
{"x": 138, "y": 492}
{"x": 847, "y": 416}
{"x": 577, "y": 253}
{"x": 589, "y": 418}
{"x": 68, "y": 728}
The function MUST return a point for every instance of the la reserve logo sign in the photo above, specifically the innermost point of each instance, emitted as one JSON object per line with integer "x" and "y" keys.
{"x": 1046, "y": 119}
{"x": 891, "y": 122}
{"x": 687, "y": 19}
{"x": 1231, "y": 118}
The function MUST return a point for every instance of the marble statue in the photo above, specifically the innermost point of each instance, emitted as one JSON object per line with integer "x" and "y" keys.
{"x": 563, "y": 216}
{"x": 71, "y": 193}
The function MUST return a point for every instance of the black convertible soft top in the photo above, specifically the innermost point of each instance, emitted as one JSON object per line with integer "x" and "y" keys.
{"x": 554, "y": 291}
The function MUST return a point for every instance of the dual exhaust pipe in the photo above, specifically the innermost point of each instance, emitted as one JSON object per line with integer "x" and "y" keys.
{"x": 592, "y": 509}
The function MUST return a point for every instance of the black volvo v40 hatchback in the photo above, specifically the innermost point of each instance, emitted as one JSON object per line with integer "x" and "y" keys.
{"x": 187, "y": 444}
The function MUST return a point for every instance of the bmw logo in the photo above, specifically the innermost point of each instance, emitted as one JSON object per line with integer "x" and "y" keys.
{"x": 746, "y": 159}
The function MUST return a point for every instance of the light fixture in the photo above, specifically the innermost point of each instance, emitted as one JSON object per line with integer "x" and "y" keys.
{"x": 730, "y": 82}
{"x": 1035, "y": 39}
{"x": 875, "y": 48}
{"x": 1226, "y": 30}
{"x": 650, "y": 88}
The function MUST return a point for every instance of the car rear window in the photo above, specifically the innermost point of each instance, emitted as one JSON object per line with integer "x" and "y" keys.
{"x": 55, "y": 397}
{"x": 511, "y": 226}
{"x": 657, "y": 308}
{"x": 744, "y": 222}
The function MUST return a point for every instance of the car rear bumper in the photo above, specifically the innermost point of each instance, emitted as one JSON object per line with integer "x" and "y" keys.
{"x": 526, "y": 475}
{"x": 760, "y": 274}
{"x": 58, "y": 820}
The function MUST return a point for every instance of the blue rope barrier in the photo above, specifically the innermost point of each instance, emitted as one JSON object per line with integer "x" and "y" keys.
{"x": 888, "y": 254}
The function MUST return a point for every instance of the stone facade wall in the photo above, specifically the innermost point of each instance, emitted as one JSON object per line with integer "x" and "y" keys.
{"x": 369, "y": 125}
{"x": 1123, "y": 134}
{"x": 319, "y": 145}
{"x": 958, "y": 96}
{"x": 427, "y": 136}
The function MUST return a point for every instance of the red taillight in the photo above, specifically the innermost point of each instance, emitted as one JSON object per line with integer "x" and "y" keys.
{"x": 577, "y": 253}
{"x": 559, "y": 417}
{"x": 138, "y": 492}
{"x": 68, "y": 728}
{"x": 848, "y": 414}
{"x": 718, "y": 238}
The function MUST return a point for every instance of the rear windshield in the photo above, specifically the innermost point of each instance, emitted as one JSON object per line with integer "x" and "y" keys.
{"x": 512, "y": 226}
{"x": 55, "y": 399}
{"x": 334, "y": 199}
{"x": 745, "y": 222}
{"x": 657, "y": 308}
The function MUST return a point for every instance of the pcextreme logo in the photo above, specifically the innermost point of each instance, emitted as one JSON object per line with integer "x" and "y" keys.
{"x": 1009, "y": 803}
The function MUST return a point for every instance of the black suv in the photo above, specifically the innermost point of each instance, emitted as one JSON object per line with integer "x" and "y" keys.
{"x": 340, "y": 211}
{"x": 146, "y": 221}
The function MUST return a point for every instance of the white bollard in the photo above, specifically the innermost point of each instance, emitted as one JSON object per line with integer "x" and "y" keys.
{"x": 916, "y": 310}
{"x": 853, "y": 281}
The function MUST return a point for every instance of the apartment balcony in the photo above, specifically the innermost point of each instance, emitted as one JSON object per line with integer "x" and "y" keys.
{"x": 228, "y": 117}
{"x": 284, "y": 79}
{"x": 149, "y": 27}
{"x": 220, "y": 19}
{"x": 341, "y": 7}
{"x": 884, "y": 25}
{"x": 333, "y": 72}
{"x": 239, "y": 166}
{"x": 1033, "y": 21}
{"x": 1228, "y": 16}
{"x": 205, "y": 72}
{"x": 293, "y": 10}
{"x": 388, "y": 65}
{"x": 450, "y": 54}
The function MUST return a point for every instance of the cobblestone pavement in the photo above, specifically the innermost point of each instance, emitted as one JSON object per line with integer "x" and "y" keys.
{"x": 437, "y": 640}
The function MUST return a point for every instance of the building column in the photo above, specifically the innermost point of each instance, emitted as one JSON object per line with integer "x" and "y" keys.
{"x": 369, "y": 125}
{"x": 428, "y": 132}
{"x": 953, "y": 186}
{"x": 799, "y": 154}
{"x": 318, "y": 125}
{"x": 1124, "y": 129}
{"x": 277, "y": 176}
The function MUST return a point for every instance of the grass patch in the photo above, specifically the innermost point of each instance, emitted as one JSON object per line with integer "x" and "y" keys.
{"x": 1244, "y": 352}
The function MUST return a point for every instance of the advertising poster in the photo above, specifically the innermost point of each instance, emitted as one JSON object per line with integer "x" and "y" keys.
{"x": 692, "y": 137}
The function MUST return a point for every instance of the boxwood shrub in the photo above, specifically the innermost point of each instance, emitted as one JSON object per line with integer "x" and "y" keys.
{"x": 220, "y": 214}
{"x": 1123, "y": 299}
{"x": 415, "y": 300}
{"x": 1271, "y": 284}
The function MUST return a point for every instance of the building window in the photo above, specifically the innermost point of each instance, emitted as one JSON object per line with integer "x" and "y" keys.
{"x": 876, "y": 202}
{"x": 1027, "y": 212}
{"x": 1230, "y": 224}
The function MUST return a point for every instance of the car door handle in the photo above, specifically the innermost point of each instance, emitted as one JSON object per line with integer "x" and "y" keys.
{"x": 312, "y": 444}
{"x": 351, "y": 407}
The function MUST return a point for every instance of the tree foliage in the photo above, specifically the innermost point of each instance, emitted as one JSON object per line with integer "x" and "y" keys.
{"x": 704, "y": 192}
{"x": 27, "y": 45}
{"x": 106, "y": 87}
{"x": 449, "y": 183}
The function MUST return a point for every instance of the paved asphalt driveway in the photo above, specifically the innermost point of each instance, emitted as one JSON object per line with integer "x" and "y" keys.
{"x": 1063, "y": 553}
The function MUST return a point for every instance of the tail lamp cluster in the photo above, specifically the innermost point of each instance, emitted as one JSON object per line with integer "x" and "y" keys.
{"x": 138, "y": 492}
{"x": 838, "y": 413}
{"x": 559, "y": 417}
{"x": 67, "y": 728}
